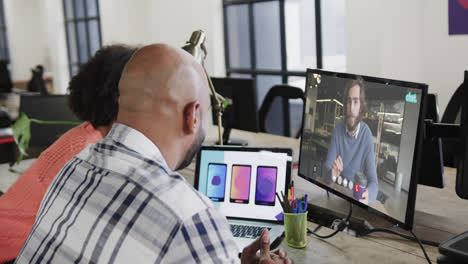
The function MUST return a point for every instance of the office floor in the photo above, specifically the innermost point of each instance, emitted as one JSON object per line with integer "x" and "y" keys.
{"x": 9, "y": 176}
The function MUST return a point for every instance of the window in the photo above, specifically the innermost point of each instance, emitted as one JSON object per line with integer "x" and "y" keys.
{"x": 275, "y": 41}
{"x": 4, "y": 52}
{"x": 83, "y": 30}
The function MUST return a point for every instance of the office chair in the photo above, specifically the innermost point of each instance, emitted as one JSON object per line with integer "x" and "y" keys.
{"x": 276, "y": 104}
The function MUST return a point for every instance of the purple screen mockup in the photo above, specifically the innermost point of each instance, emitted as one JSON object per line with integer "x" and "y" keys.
{"x": 266, "y": 185}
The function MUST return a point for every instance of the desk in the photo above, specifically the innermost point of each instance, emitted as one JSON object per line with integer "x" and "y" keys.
{"x": 439, "y": 215}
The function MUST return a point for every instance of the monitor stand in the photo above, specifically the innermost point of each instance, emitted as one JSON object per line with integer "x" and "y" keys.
{"x": 325, "y": 217}
{"x": 228, "y": 141}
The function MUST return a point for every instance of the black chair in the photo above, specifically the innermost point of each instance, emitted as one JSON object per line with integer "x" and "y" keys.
{"x": 275, "y": 112}
{"x": 49, "y": 108}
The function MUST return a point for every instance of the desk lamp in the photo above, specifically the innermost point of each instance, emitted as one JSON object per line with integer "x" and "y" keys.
{"x": 196, "y": 46}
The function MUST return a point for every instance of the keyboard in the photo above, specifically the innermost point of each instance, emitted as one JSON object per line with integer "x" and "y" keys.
{"x": 247, "y": 231}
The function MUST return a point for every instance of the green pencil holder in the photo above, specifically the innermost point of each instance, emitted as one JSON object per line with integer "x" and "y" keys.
{"x": 295, "y": 229}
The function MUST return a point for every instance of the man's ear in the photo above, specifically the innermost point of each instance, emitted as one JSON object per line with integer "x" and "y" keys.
{"x": 192, "y": 117}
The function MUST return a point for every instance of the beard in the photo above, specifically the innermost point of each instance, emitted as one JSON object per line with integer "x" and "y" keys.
{"x": 353, "y": 125}
{"x": 192, "y": 150}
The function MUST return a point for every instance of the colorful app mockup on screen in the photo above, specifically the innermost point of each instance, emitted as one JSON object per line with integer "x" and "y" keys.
{"x": 216, "y": 182}
{"x": 240, "y": 183}
{"x": 266, "y": 185}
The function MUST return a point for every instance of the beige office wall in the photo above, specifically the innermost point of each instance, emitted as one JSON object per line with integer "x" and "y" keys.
{"x": 406, "y": 40}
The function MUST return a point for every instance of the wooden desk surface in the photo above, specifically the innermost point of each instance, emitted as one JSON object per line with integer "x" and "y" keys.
{"x": 439, "y": 215}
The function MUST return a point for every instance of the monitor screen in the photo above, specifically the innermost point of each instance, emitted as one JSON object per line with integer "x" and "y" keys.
{"x": 47, "y": 108}
{"x": 360, "y": 140}
{"x": 242, "y": 181}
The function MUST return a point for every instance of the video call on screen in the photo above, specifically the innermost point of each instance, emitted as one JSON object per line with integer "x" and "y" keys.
{"x": 361, "y": 144}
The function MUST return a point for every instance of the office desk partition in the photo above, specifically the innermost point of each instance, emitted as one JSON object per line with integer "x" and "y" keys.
{"x": 439, "y": 215}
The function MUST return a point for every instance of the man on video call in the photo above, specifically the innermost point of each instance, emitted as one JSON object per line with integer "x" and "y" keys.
{"x": 352, "y": 145}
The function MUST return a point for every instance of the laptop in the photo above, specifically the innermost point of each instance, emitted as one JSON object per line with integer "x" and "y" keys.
{"x": 242, "y": 182}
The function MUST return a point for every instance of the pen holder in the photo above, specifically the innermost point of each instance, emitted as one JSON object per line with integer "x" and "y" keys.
{"x": 295, "y": 229}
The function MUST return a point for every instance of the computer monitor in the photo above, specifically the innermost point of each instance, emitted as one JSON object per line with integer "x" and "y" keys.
{"x": 359, "y": 142}
{"x": 242, "y": 110}
{"x": 432, "y": 173}
{"x": 48, "y": 108}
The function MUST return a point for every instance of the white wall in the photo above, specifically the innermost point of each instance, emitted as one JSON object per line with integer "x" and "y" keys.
{"x": 175, "y": 20}
{"x": 36, "y": 35}
{"x": 406, "y": 40}
{"x": 25, "y": 40}
{"x": 55, "y": 50}
{"x": 124, "y": 21}
{"x": 445, "y": 57}
{"x": 171, "y": 22}
{"x": 397, "y": 39}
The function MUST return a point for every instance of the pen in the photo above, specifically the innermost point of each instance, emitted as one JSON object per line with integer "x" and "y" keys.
{"x": 281, "y": 203}
{"x": 292, "y": 190}
{"x": 286, "y": 204}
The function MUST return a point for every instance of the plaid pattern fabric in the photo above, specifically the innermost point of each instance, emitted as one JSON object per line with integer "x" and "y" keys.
{"x": 118, "y": 202}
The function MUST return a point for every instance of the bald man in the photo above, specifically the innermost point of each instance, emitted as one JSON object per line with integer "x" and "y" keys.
{"x": 120, "y": 200}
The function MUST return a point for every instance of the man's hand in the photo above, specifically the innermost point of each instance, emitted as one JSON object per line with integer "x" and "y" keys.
{"x": 337, "y": 167}
{"x": 365, "y": 197}
{"x": 249, "y": 254}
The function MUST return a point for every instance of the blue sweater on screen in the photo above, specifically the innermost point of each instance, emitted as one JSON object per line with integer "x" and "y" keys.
{"x": 357, "y": 154}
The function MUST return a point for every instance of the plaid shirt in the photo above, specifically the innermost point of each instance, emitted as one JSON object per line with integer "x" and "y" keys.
{"x": 118, "y": 202}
